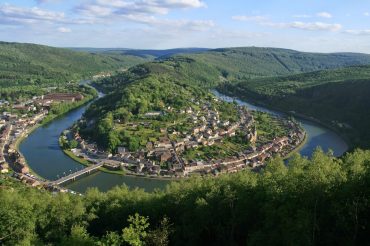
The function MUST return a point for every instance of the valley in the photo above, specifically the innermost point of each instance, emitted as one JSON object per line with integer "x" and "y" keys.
{"x": 174, "y": 141}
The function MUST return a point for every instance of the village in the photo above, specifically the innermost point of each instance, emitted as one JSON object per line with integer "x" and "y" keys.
{"x": 165, "y": 156}
{"x": 16, "y": 125}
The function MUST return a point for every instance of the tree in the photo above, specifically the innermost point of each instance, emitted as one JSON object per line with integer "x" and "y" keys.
{"x": 78, "y": 237}
{"x": 136, "y": 233}
{"x": 73, "y": 144}
{"x": 160, "y": 236}
{"x": 133, "y": 144}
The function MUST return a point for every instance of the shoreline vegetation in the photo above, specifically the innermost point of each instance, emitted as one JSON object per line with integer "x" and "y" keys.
{"x": 349, "y": 143}
{"x": 122, "y": 172}
{"x": 46, "y": 121}
{"x": 85, "y": 162}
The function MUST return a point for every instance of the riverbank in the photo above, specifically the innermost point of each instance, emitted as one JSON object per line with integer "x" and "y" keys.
{"x": 271, "y": 108}
{"x": 20, "y": 140}
{"x": 73, "y": 106}
{"x": 297, "y": 148}
{"x": 86, "y": 163}
{"x": 42, "y": 123}
{"x": 48, "y": 159}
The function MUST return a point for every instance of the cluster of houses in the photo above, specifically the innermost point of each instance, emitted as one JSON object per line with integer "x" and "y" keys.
{"x": 164, "y": 157}
{"x": 45, "y": 101}
{"x": 15, "y": 126}
{"x": 101, "y": 75}
{"x": 63, "y": 97}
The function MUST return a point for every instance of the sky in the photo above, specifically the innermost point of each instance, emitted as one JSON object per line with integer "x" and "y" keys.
{"x": 305, "y": 25}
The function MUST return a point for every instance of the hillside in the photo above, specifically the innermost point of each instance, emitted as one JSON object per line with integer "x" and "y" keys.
{"x": 31, "y": 64}
{"x": 323, "y": 201}
{"x": 147, "y": 87}
{"x": 179, "y": 69}
{"x": 251, "y": 62}
{"x": 336, "y": 97}
{"x": 318, "y": 94}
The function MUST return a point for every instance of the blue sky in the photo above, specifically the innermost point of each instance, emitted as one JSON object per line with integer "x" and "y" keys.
{"x": 307, "y": 25}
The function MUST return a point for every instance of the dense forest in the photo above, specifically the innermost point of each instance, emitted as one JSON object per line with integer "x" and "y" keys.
{"x": 25, "y": 68}
{"x": 238, "y": 72}
{"x": 141, "y": 89}
{"x": 251, "y": 62}
{"x": 336, "y": 97}
{"x": 322, "y": 201}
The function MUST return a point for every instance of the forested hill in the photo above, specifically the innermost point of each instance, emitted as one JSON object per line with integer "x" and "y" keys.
{"x": 342, "y": 105}
{"x": 31, "y": 64}
{"x": 250, "y": 62}
{"x": 338, "y": 97}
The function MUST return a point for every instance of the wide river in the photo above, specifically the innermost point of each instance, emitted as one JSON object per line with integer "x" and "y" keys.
{"x": 45, "y": 157}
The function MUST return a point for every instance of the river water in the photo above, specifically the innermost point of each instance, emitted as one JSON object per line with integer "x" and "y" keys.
{"x": 45, "y": 157}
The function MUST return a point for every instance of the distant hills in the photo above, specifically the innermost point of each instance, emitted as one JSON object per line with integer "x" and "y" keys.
{"x": 338, "y": 97}
{"x": 251, "y": 62}
{"x": 146, "y": 53}
{"x": 333, "y": 88}
{"x": 330, "y": 87}
{"x": 24, "y": 64}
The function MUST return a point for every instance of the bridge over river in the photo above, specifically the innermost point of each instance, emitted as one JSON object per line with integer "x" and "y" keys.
{"x": 41, "y": 148}
{"x": 74, "y": 176}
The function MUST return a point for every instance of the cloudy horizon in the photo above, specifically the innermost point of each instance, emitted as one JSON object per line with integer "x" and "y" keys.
{"x": 325, "y": 26}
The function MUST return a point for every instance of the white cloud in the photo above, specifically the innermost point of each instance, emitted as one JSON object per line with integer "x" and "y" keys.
{"x": 152, "y": 21}
{"x": 64, "y": 29}
{"x": 123, "y": 7}
{"x": 315, "y": 26}
{"x": 95, "y": 10}
{"x": 181, "y": 3}
{"x": 358, "y": 32}
{"x": 142, "y": 12}
{"x": 302, "y": 16}
{"x": 309, "y": 26}
{"x": 46, "y": 1}
{"x": 324, "y": 15}
{"x": 367, "y": 14}
{"x": 256, "y": 18}
{"x": 10, "y": 13}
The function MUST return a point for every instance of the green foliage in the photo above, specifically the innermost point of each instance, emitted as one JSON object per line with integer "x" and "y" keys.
{"x": 318, "y": 201}
{"x": 25, "y": 69}
{"x": 78, "y": 237}
{"x": 338, "y": 98}
{"x": 58, "y": 109}
{"x": 30, "y": 64}
{"x": 73, "y": 144}
{"x": 136, "y": 233}
{"x": 247, "y": 72}
{"x": 252, "y": 62}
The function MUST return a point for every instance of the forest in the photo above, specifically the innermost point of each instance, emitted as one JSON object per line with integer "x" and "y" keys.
{"x": 238, "y": 72}
{"x": 338, "y": 97}
{"x": 319, "y": 201}
{"x": 27, "y": 68}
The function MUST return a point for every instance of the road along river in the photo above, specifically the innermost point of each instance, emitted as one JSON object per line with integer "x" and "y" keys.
{"x": 45, "y": 157}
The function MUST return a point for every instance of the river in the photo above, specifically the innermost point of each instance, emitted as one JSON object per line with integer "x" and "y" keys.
{"x": 45, "y": 157}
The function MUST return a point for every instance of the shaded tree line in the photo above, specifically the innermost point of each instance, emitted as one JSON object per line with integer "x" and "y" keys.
{"x": 319, "y": 201}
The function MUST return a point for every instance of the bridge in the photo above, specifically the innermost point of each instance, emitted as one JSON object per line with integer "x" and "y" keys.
{"x": 77, "y": 174}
